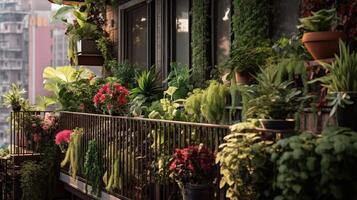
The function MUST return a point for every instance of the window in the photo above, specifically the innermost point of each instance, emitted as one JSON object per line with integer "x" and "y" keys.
{"x": 137, "y": 25}
{"x": 222, "y": 28}
{"x": 181, "y": 32}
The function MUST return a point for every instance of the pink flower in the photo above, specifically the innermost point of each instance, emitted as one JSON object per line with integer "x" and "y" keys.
{"x": 63, "y": 136}
{"x": 34, "y": 125}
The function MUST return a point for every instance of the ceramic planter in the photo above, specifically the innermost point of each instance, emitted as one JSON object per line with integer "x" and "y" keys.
{"x": 198, "y": 192}
{"x": 278, "y": 124}
{"x": 88, "y": 53}
{"x": 322, "y": 45}
{"x": 347, "y": 116}
{"x": 243, "y": 78}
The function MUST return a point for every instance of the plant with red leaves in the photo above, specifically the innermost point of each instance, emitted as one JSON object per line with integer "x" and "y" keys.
{"x": 111, "y": 98}
{"x": 194, "y": 164}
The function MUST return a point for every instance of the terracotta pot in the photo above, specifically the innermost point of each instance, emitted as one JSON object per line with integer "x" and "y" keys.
{"x": 323, "y": 45}
{"x": 243, "y": 78}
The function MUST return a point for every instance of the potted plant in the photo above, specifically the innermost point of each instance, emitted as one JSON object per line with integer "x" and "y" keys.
{"x": 273, "y": 101}
{"x": 244, "y": 63}
{"x": 193, "y": 169}
{"x": 112, "y": 99}
{"x": 341, "y": 83}
{"x": 320, "y": 35}
{"x": 14, "y": 98}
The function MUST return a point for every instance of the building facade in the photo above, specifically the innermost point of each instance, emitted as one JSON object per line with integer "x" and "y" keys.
{"x": 13, "y": 50}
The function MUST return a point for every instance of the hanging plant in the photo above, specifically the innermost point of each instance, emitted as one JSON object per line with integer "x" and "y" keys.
{"x": 92, "y": 169}
{"x": 199, "y": 41}
{"x": 73, "y": 155}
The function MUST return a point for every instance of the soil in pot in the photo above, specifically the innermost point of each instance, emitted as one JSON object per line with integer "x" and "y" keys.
{"x": 347, "y": 117}
{"x": 198, "y": 192}
{"x": 277, "y": 124}
{"x": 323, "y": 45}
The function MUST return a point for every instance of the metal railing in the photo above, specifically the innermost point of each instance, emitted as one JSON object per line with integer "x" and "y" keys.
{"x": 139, "y": 143}
{"x": 136, "y": 144}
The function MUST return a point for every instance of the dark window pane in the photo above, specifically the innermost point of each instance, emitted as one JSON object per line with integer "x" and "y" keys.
{"x": 182, "y": 31}
{"x": 137, "y": 36}
{"x": 223, "y": 30}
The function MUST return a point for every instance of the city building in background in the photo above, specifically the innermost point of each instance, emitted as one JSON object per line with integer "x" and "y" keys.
{"x": 29, "y": 42}
{"x": 13, "y": 50}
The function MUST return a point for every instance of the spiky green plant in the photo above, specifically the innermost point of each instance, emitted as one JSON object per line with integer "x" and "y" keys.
{"x": 147, "y": 85}
{"x": 323, "y": 20}
{"x": 341, "y": 78}
{"x": 14, "y": 97}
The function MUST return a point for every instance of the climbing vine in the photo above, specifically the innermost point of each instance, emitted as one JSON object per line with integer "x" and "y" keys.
{"x": 250, "y": 22}
{"x": 199, "y": 41}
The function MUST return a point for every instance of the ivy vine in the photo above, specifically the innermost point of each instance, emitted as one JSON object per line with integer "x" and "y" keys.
{"x": 199, "y": 41}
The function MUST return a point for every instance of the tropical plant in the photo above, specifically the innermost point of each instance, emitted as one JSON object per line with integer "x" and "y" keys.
{"x": 168, "y": 109}
{"x": 92, "y": 168}
{"x": 58, "y": 81}
{"x": 193, "y": 164}
{"x": 341, "y": 78}
{"x": 14, "y": 97}
{"x": 245, "y": 165}
{"x": 271, "y": 98}
{"x": 88, "y": 23}
{"x": 74, "y": 155}
{"x": 147, "y": 85}
{"x": 32, "y": 181}
{"x": 124, "y": 72}
{"x": 111, "y": 98}
{"x": 246, "y": 59}
{"x": 179, "y": 77}
{"x": 323, "y": 20}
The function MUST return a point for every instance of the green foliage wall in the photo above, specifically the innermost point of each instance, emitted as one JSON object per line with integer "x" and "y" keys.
{"x": 199, "y": 41}
{"x": 250, "y": 22}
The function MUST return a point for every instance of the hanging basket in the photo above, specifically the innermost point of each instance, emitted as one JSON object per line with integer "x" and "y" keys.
{"x": 88, "y": 53}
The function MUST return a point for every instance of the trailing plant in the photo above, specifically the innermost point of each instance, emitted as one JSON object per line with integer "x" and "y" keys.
{"x": 124, "y": 72}
{"x": 323, "y": 20}
{"x": 92, "y": 168}
{"x": 13, "y": 98}
{"x": 74, "y": 157}
{"x": 245, "y": 164}
{"x": 193, "y": 105}
{"x": 121, "y": 170}
{"x": 32, "y": 181}
{"x": 88, "y": 23}
{"x": 179, "y": 77}
{"x": 271, "y": 98}
{"x": 214, "y": 103}
{"x": 208, "y": 105}
{"x": 341, "y": 78}
{"x": 199, "y": 41}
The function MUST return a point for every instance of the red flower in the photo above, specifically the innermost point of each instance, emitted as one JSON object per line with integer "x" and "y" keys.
{"x": 102, "y": 98}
